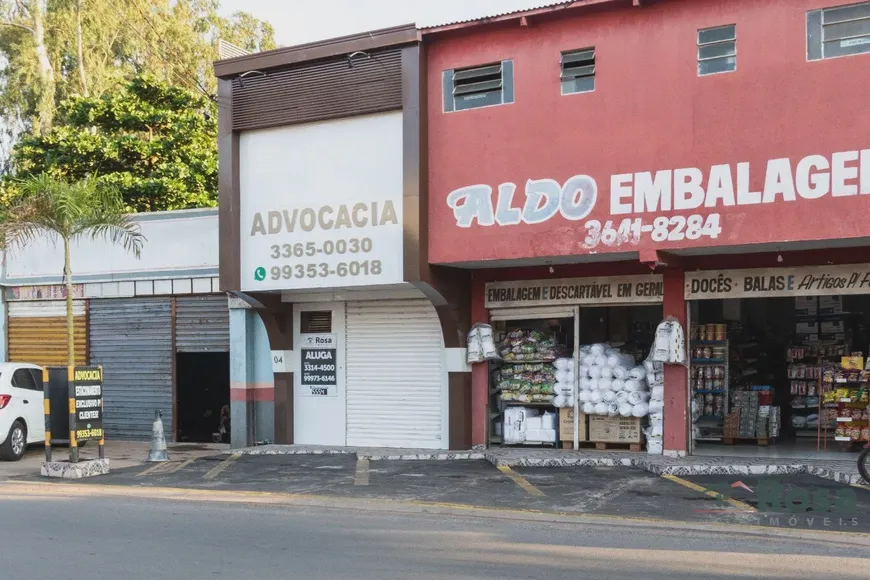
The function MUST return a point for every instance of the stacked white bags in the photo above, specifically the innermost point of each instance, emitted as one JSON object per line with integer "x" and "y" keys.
{"x": 610, "y": 384}
{"x": 655, "y": 379}
{"x": 565, "y": 380}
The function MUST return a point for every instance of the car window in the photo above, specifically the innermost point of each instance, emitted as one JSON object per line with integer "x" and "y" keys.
{"x": 37, "y": 378}
{"x": 22, "y": 379}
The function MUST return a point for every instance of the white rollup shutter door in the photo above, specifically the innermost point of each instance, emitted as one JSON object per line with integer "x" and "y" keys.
{"x": 395, "y": 374}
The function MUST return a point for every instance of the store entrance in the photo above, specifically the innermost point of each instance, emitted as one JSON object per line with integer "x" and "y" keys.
{"x": 203, "y": 397}
{"x": 538, "y": 387}
{"x": 780, "y": 377}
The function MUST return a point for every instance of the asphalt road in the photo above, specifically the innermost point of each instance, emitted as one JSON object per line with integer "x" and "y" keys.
{"x": 106, "y": 538}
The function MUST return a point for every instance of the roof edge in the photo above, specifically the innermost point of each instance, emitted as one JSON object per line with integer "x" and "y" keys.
{"x": 384, "y": 37}
{"x": 553, "y": 7}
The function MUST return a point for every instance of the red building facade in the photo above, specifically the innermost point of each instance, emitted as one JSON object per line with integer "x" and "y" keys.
{"x": 709, "y": 134}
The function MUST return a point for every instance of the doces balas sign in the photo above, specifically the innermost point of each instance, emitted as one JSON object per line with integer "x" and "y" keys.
{"x": 778, "y": 282}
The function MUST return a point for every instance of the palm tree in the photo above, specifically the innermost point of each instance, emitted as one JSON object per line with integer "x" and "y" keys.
{"x": 57, "y": 209}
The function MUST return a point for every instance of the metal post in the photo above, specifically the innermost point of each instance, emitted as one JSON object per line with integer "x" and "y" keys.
{"x": 577, "y": 379}
{"x": 71, "y": 392}
{"x": 102, "y": 447}
{"x": 46, "y": 406}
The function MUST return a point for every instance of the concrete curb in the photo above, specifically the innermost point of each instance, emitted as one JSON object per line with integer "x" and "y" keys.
{"x": 651, "y": 463}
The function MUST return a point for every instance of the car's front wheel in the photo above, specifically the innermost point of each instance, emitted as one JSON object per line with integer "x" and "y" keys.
{"x": 15, "y": 444}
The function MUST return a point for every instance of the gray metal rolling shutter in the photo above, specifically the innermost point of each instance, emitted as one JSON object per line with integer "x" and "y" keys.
{"x": 132, "y": 339}
{"x": 395, "y": 374}
{"x": 202, "y": 324}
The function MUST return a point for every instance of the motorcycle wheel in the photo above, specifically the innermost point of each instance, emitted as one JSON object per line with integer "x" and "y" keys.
{"x": 864, "y": 464}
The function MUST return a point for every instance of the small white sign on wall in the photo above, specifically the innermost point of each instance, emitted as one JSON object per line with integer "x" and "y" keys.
{"x": 282, "y": 361}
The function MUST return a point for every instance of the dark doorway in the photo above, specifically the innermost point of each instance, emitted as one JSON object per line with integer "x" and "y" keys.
{"x": 203, "y": 393}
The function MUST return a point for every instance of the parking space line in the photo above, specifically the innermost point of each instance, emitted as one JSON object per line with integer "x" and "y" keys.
{"x": 361, "y": 477}
{"x": 714, "y": 494}
{"x": 520, "y": 481}
{"x": 217, "y": 469}
{"x": 180, "y": 466}
{"x": 156, "y": 469}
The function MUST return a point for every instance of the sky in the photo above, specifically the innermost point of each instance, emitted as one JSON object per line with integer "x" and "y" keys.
{"x": 300, "y": 21}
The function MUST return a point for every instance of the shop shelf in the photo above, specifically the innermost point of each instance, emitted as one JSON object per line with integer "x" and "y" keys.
{"x": 708, "y": 361}
{"x": 708, "y": 439}
{"x": 842, "y": 438}
{"x": 710, "y": 391}
{"x": 528, "y": 404}
{"x": 527, "y": 362}
{"x": 850, "y": 420}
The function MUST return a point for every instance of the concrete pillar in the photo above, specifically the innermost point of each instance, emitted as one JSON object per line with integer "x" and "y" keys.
{"x": 251, "y": 387}
{"x": 479, "y": 372}
{"x": 676, "y": 408}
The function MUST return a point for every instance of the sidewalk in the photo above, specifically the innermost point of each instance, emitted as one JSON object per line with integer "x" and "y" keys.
{"x": 121, "y": 454}
{"x": 840, "y": 471}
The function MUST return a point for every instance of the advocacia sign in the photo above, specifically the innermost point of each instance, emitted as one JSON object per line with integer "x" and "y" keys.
{"x": 567, "y": 291}
{"x": 778, "y": 282}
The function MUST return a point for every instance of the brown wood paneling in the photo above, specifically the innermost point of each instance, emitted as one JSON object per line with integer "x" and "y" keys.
{"x": 319, "y": 50}
{"x": 316, "y": 91}
{"x": 229, "y": 223}
{"x": 460, "y": 410}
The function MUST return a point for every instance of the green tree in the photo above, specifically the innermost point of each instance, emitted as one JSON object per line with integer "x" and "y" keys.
{"x": 59, "y": 209}
{"x": 58, "y": 49}
{"x": 154, "y": 143}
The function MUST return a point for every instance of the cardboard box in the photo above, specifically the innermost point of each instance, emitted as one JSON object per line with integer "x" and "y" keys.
{"x": 833, "y": 327}
{"x": 830, "y": 305}
{"x": 566, "y": 425}
{"x": 615, "y": 429}
{"x": 806, "y": 328}
{"x": 806, "y": 306}
{"x": 852, "y": 362}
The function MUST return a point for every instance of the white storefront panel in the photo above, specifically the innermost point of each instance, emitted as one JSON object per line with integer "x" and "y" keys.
{"x": 396, "y": 375}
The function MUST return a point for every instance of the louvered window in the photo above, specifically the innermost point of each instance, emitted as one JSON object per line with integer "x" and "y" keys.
{"x": 717, "y": 50}
{"x": 480, "y": 86}
{"x": 578, "y": 71}
{"x": 838, "y": 31}
{"x": 315, "y": 322}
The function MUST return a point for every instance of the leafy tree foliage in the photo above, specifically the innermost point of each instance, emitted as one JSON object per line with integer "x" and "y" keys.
{"x": 53, "y": 50}
{"x": 154, "y": 143}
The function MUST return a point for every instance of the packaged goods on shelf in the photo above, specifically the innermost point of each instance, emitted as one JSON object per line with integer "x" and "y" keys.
{"x": 529, "y": 345}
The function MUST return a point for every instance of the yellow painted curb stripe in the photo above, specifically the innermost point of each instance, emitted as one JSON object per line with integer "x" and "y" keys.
{"x": 155, "y": 469}
{"x": 361, "y": 477}
{"x": 713, "y": 494}
{"x": 215, "y": 471}
{"x": 520, "y": 481}
{"x": 178, "y": 467}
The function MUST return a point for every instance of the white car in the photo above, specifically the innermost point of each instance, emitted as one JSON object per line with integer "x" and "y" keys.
{"x": 22, "y": 419}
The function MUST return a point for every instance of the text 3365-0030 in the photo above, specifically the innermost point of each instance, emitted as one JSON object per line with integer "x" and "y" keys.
{"x": 322, "y": 270}
{"x": 327, "y": 248}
